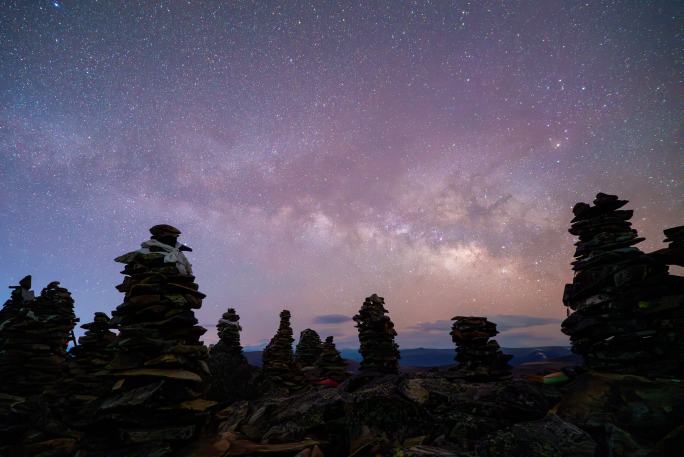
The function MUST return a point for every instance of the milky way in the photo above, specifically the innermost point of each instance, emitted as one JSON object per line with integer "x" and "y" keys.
{"x": 315, "y": 153}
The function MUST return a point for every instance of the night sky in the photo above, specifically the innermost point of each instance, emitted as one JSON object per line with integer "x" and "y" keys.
{"x": 313, "y": 153}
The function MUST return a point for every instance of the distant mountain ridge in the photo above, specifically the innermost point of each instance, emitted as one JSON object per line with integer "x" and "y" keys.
{"x": 431, "y": 357}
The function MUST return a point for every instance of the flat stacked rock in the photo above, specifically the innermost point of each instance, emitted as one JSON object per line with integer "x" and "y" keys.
{"x": 229, "y": 369}
{"x": 33, "y": 338}
{"x": 160, "y": 366}
{"x": 308, "y": 349}
{"x": 479, "y": 358}
{"x": 376, "y": 337}
{"x": 627, "y": 314}
{"x": 330, "y": 363}
{"x": 278, "y": 365}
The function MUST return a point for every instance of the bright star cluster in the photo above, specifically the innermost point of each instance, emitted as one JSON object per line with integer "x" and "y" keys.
{"x": 313, "y": 153}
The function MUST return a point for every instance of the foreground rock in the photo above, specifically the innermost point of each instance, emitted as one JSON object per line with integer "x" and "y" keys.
{"x": 627, "y": 415}
{"x": 550, "y": 436}
{"x": 390, "y": 412}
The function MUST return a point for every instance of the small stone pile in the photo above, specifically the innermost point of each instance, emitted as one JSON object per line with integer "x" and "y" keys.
{"x": 627, "y": 314}
{"x": 230, "y": 373}
{"x": 376, "y": 337}
{"x": 34, "y": 334}
{"x": 479, "y": 358}
{"x": 330, "y": 363}
{"x": 308, "y": 349}
{"x": 278, "y": 361}
{"x": 160, "y": 366}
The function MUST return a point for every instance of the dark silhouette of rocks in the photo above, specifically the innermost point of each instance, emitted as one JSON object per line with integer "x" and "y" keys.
{"x": 376, "y": 337}
{"x": 479, "y": 357}
{"x": 673, "y": 254}
{"x": 89, "y": 359}
{"x": 33, "y": 340}
{"x": 278, "y": 367}
{"x": 160, "y": 366}
{"x": 330, "y": 363}
{"x": 308, "y": 348}
{"x": 627, "y": 314}
{"x": 87, "y": 378}
{"x": 142, "y": 392}
{"x": 229, "y": 329}
{"x": 33, "y": 336}
{"x": 231, "y": 376}
{"x": 626, "y": 414}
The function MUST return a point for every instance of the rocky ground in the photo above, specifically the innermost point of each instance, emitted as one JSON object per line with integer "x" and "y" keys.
{"x": 432, "y": 414}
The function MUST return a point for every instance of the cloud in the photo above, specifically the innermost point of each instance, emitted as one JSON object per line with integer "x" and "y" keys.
{"x": 534, "y": 335}
{"x": 331, "y": 319}
{"x": 429, "y": 327}
{"x": 504, "y": 322}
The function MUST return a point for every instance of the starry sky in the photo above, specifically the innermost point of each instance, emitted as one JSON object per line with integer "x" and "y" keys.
{"x": 313, "y": 153}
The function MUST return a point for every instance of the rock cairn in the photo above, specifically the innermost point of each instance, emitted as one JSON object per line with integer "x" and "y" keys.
{"x": 278, "y": 361}
{"x": 229, "y": 329}
{"x": 34, "y": 334}
{"x": 229, "y": 369}
{"x": 330, "y": 363}
{"x": 674, "y": 253}
{"x": 86, "y": 380}
{"x": 160, "y": 364}
{"x": 627, "y": 313}
{"x": 89, "y": 359}
{"x": 33, "y": 340}
{"x": 376, "y": 337}
{"x": 479, "y": 358}
{"x": 308, "y": 349}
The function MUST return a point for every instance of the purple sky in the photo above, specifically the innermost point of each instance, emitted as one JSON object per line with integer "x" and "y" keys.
{"x": 315, "y": 153}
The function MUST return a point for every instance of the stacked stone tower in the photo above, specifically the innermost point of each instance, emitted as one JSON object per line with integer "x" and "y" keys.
{"x": 330, "y": 363}
{"x": 479, "y": 358}
{"x": 229, "y": 329}
{"x": 376, "y": 337}
{"x": 88, "y": 361}
{"x": 308, "y": 349}
{"x": 34, "y": 334}
{"x": 229, "y": 369}
{"x": 279, "y": 368}
{"x": 33, "y": 340}
{"x": 160, "y": 368}
{"x": 87, "y": 378}
{"x": 627, "y": 310}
